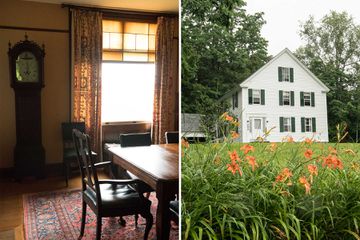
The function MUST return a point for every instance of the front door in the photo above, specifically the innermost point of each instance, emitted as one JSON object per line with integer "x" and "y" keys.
{"x": 257, "y": 127}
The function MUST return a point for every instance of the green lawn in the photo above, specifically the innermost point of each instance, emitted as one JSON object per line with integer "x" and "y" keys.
{"x": 272, "y": 192}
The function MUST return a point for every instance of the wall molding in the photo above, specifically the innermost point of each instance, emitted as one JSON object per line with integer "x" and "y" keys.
{"x": 34, "y": 29}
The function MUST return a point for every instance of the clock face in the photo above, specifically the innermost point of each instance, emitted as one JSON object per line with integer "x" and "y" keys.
{"x": 27, "y": 67}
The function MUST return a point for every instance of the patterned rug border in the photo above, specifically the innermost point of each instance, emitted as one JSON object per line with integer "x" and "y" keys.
{"x": 27, "y": 196}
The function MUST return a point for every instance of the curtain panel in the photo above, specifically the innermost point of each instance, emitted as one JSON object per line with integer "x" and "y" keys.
{"x": 86, "y": 82}
{"x": 166, "y": 94}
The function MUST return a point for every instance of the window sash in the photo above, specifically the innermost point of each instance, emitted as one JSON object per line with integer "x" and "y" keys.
{"x": 287, "y": 124}
{"x": 256, "y": 97}
{"x": 307, "y": 99}
{"x": 308, "y": 125}
{"x": 286, "y": 74}
{"x": 286, "y": 98}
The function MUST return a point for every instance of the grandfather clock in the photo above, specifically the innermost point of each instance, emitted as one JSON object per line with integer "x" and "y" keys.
{"x": 26, "y": 60}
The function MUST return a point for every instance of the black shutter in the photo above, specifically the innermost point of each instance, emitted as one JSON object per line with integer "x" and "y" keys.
{"x": 250, "y": 96}
{"x": 281, "y": 124}
{"x": 292, "y": 99}
{"x": 280, "y": 97}
{"x": 280, "y": 74}
{"x": 291, "y": 75}
{"x": 312, "y": 99}
{"x": 301, "y": 98}
{"x": 302, "y": 124}
{"x": 236, "y": 99}
{"x": 262, "y": 97}
{"x": 293, "y": 124}
{"x": 313, "y": 121}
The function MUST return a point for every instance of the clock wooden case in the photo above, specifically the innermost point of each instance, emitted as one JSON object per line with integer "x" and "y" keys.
{"x": 26, "y": 60}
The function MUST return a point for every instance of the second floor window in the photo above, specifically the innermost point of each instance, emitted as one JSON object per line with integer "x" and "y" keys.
{"x": 286, "y": 98}
{"x": 285, "y": 74}
{"x": 256, "y": 96}
{"x": 307, "y": 99}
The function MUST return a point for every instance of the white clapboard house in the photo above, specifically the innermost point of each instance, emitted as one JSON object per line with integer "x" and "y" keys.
{"x": 283, "y": 95}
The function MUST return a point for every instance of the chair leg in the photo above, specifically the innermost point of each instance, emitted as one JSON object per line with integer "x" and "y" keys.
{"x": 98, "y": 227}
{"x": 136, "y": 220}
{"x": 83, "y": 219}
{"x": 149, "y": 223}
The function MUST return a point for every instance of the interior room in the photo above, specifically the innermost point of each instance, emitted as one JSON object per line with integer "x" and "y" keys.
{"x": 89, "y": 101}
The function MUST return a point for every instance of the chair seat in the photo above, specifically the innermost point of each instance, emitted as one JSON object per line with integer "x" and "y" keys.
{"x": 116, "y": 197}
{"x": 142, "y": 186}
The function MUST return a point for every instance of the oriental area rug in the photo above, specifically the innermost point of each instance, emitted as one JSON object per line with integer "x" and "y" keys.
{"x": 57, "y": 216}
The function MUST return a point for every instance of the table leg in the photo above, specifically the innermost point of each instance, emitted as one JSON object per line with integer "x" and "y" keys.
{"x": 162, "y": 214}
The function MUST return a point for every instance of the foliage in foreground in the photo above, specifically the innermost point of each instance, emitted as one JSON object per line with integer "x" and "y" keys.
{"x": 281, "y": 190}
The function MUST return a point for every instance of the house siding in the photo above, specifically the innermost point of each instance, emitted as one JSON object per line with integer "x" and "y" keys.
{"x": 267, "y": 79}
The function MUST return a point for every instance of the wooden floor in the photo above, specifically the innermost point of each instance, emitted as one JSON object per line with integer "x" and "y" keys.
{"x": 11, "y": 208}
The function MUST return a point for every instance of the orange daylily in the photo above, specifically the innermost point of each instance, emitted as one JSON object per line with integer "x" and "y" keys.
{"x": 313, "y": 169}
{"x": 284, "y": 175}
{"x": 308, "y": 141}
{"x": 290, "y": 139}
{"x": 234, "y": 156}
{"x": 306, "y": 184}
{"x": 308, "y": 153}
{"x": 234, "y": 134}
{"x": 234, "y": 167}
{"x": 333, "y": 162}
{"x": 252, "y": 162}
{"x": 273, "y": 147}
{"x": 184, "y": 143}
{"x": 247, "y": 148}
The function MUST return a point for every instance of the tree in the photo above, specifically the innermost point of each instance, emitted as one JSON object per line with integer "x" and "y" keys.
{"x": 332, "y": 53}
{"x": 221, "y": 46}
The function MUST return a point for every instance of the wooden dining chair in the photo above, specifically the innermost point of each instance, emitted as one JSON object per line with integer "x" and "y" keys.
{"x": 172, "y": 137}
{"x": 109, "y": 197}
{"x": 69, "y": 153}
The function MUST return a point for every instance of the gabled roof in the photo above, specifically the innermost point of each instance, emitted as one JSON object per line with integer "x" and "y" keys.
{"x": 286, "y": 50}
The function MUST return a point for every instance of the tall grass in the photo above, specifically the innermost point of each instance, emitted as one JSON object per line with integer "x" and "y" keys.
{"x": 259, "y": 203}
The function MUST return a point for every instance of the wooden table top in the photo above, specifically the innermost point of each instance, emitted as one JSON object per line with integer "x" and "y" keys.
{"x": 159, "y": 161}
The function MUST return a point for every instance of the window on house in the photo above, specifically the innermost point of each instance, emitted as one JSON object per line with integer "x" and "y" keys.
{"x": 286, "y": 98}
{"x": 128, "y": 71}
{"x": 256, "y": 96}
{"x": 287, "y": 124}
{"x": 257, "y": 124}
{"x": 308, "y": 125}
{"x": 286, "y": 74}
{"x": 307, "y": 99}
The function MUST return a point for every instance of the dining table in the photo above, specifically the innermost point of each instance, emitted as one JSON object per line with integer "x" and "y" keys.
{"x": 158, "y": 166}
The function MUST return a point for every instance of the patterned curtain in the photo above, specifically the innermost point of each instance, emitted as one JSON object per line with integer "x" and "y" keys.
{"x": 86, "y": 84}
{"x": 166, "y": 98}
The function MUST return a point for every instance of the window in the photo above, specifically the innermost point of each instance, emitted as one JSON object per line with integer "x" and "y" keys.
{"x": 308, "y": 124}
{"x": 256, "y": 96}
{"x": 128, "y": 71}
{"x": 307, "y": 99}
{"x": 286, "y": 98}
{"x": 257, "y": 124}
{"x": 286, "y": 74}
{"x": 235, "y": 100}
{"x": 287, "y": 124}
{"x": 128, "y": 41}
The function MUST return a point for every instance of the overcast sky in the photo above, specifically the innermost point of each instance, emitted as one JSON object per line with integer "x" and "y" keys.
{"x": 283, "y": 18}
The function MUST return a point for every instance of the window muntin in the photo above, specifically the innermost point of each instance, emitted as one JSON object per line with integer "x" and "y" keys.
{"x": 307, "y": 99}
{"x": 287, "y": 124}
{"x": 286, "y": 98}
{"x": 256, "y": 96}
{"x": 128, "y": 41}
{"x": 308, "y": 125}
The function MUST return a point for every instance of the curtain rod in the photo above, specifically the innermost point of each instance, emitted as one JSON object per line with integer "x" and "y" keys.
{"x": 116, "y": 11}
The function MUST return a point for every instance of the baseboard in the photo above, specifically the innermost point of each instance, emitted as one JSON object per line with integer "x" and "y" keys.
{"x": 51, "y": 170}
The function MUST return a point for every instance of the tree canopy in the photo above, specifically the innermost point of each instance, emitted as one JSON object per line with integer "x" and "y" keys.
{"x": 221, "y": 46}
{"x": 332, "y": 53}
